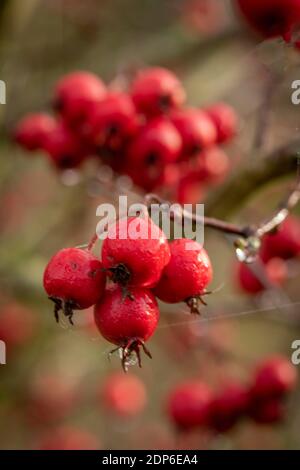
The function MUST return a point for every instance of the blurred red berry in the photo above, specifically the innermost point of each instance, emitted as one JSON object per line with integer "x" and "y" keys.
{"x": 196, "y": 129}
{"x": 74, "y": 279}
{"x": 113, "y": 122}
{"x": 75, "y": 95}
{"x": 211, "y": 166}
{"x": 187, "y": 275}
{"x": 157, "y": 144}
{"x": 50, "y": 398}
{"x": 69, "y": 438}
{"x": 229, "y": 406}
{"x": 225, "y": 120}
{"x": 271, "y": 18}
{"x": 64, "y": 148}
{"x": 274, "y": 377}
{"x": 17, "y": 325}
{"x": 124, "y": 395}
{"x": 274, "y": 271}
{"x": 127, "y": 322}
{"x": 33, "y": 131}
{"x": 156, "y": 91}
{"x": 135, "y": 252}
{"x": 205, "y": 17}
{"x": 190, "y": 189}
{"x": 188, "y": 405}
{"x": 269, "y": 411}
{"x": 285, "y": 242}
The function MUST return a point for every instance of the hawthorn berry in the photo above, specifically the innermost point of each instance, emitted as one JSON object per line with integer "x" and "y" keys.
{"x": 124, "y": 395}
{"x": 196, "y": 129}
{"x": 186, "y": 276}
{"x": 127, "y": 322}
{"x": 285, "y": 242}
{"x": 68, "y": 438}
{"x": 33, "y": 130}
{"x": 156, "y": 90}
{"x": 189, "y": 189}
{"x": 113, "y": 122}
{"x": 229, "y": 406}
{"x": 274, "y": 377}
{"x": 268, "y": 411}
{"x": 211, "y": 165}
{"x": 75, "y": 96}
{"x": 275, "y": 271}
{"x": 50, "y": 398}
{"x": 271, "y": 18}
{"x": 74, "y": 279}
{"x": 188, "y": 405}
{"x": 63, "y": 147}
{"x": 225, "y": 120}
{"x": 135, "y": 252}
{"x": 17, "y": 325}
{"x": 157, "y": 144}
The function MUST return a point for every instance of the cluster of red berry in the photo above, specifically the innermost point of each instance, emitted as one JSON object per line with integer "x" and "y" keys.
{"x": 276, "y": 249}
{"x": 193, "y": 404}
{"x": 145, "y": 133}
{"x": 272, "y": 18}
{"x": 142, "y": 265}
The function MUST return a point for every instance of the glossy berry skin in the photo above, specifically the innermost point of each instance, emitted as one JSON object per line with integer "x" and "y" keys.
{"x": 33, "y": 130}
{"x": 124, "y": 395}
{"x": 196, "y": 129}
{"x": 75, "y": 96}
{"x": 275, "y": 271}
{"x": 127, "y": 322}
{"x": 285, "y": 243}
{"x": 156, "y": 91}
{"x": 188, "y": 405}
{"x": 225, "y": 120}
{"x": 74, "y": 279}
{"x": 271, "y": 18}
{"x": 231, "y": 404}
{"x": 274, "y": 377}
{"x": 188, "y": 273}
{"x": 113, "y": 122}
{"x": 63, "y": 148}
{"x": 157, "y": 144}
{"x": 135, "y": 252}
{"x": 68, "y": 438}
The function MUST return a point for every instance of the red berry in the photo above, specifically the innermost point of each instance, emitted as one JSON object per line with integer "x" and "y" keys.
{"x": 275, "y": 271}
{"x": 63, "y": 147}
{"x": 33, "y": 130}
{"x": 211, "y": 165}
{"x": 157, "y": 90}
{"x": 157, "y": 145}
{"x": 225, "y": 121}
{"x": 269, "y": 411}
{"x": 189, "y": 404}
{"x": 189, "y": 189}
{"x": 135, "y": 252}
{"x": 17, "y": 325}
{"x": 186, "y": 276}
{"x": 127, "y": 322}
{"x": 113, "y": 122}
{"x": 74, "y": 279}
{"x": 271, "y": 18}
{"x": 285, "y": 243}
{"x": 228, "y": 407}
{"x": 50, "y": 398}
{"x": 124, "y": 395}
{"x": 75, "y": 96}
{"x": 196, "y": 129}
{"x": 68, "y": 438}
{"x": 274, "y": 377}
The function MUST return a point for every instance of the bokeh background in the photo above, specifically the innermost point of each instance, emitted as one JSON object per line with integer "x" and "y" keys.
{"x": 41, "y": 211}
